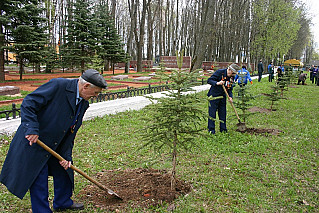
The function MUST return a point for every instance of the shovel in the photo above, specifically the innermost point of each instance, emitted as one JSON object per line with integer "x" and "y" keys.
{"x": 241, "y": 126}
{"x": 109, "y": 191}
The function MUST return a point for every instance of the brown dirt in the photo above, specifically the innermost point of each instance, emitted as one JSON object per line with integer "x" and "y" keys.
{"x": 139, "y": 188}
{"x": 254, "y": 131}
{"x": 265, "y": 132}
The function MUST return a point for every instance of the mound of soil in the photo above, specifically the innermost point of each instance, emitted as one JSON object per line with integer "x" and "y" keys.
{"x": 265, "y": 132}
{"x": 137, "y": 187}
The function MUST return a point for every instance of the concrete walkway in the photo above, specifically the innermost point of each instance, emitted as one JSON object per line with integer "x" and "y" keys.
{"x": 100, "y": 109}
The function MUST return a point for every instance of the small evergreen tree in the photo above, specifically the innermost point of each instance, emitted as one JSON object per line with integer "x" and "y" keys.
{"x": 290, "y": 75}
{"x": 242, "y": 100}
{"x": 283, "y": 82}
{"x": 175, "y": 120}
{"x": 274, "y": 95}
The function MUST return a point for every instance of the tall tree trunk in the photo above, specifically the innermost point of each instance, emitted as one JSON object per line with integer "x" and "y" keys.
{"x": 21, "y": 67}
{"x": 113, "y": 8}
{"x": 160, "y": 31}
{"x": 174, "y": 162}
{"x": 139, "y": 38}
{"x": 205, "y": 32}
{"x": 37, "y": 68}
{"x": 150, "y": 30}
{"x": 2, "y": 44}
{"x": 132, "y": 12}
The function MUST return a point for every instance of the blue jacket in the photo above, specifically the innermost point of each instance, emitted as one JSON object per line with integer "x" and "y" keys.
{"x": 48, "y": 112}
{"x": 270, "y": 69}
{"x": 243, "y": 76}
{"x": 217, "y": 90}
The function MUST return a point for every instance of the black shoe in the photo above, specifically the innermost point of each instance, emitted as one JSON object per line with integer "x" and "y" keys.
{"x": 75, "y": 206}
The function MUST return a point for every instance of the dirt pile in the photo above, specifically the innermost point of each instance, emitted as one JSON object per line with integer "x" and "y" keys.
{"x": 138, "y": 187}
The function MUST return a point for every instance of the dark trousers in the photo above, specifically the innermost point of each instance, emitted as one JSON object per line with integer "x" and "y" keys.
{"x": 220, "y": 106}
{"x": 303, "y": 82}
{"x": 271, "y": 76}
{"x": 259, "y": 76}
{"x": 315, "y": 79}
{"x": 39, "y": 191}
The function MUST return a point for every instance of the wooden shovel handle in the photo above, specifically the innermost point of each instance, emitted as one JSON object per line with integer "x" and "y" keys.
{"x": 231, "y": 103}
{"x": 60, "y": 158}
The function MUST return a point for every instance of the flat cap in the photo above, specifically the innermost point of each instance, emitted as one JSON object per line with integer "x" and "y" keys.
{"x": 94, "y": 77}
{"x": 234, "y": 68}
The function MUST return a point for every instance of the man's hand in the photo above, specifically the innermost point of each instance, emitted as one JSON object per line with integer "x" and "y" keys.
{"x": 230, "y": 99}
{"x": 32, "y": 139}
{"x": 220, "y": 82}
{"x": 65, "y": 164}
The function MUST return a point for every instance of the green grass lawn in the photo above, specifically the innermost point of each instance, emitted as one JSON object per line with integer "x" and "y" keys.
{"x": 232, "y": 172}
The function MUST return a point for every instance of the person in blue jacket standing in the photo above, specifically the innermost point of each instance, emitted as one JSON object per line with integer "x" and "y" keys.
{"x": 282, "y": 67}
{"x": 271, "y": 72}
{"x": 243, "y": 76}
{"x": 53, "y": 114}
{"x": 220, "y": 77}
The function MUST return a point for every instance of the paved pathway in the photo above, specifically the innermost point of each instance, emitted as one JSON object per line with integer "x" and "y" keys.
{"x": 103, "y": 108}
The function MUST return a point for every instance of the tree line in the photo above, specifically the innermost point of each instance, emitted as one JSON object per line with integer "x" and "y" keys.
{"x": 99, "y": 33}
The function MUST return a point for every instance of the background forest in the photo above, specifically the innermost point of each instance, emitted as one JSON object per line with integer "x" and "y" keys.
{"x": 77, "y": 34}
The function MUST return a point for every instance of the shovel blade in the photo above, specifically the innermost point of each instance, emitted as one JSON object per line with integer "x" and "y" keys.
{"x": 241, "y": 127}
{"x": 113, "y": 194}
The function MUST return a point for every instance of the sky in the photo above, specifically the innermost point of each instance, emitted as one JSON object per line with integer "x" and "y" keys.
{"x": 313, "y": 6}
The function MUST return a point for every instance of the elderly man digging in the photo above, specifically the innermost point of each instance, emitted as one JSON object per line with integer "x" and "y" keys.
{"x": 220, "y": 77}
{"x": 52, "y": 113}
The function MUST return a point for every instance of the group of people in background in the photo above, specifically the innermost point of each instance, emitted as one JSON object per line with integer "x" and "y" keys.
{"x": 271, "y": 71}
{"x": 313, "y": 72}
{"x": 233, "y": 74}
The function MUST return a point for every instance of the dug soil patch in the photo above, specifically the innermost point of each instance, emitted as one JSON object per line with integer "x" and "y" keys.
{"x": 261, "y": 131}
{"x": 265, "y": 132}
{"x": 139, "y": 188}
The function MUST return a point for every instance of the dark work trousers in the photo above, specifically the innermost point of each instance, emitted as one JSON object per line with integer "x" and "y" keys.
{"x": 39, "y": 191}
{"x": 259, "y": 76}
{"x": 220, "y": 106}
{"x": 270, "y": 77}
{"x": 311, "y": 77}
